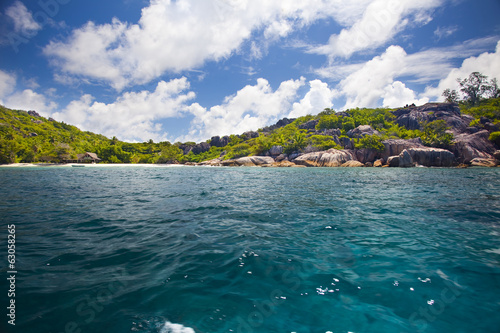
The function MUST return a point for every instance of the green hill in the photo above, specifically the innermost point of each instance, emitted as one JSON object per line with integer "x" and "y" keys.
{"x": 27, "y": 137}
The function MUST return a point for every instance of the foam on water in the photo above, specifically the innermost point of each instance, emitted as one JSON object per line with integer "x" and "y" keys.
{"x": 175, "y": 328}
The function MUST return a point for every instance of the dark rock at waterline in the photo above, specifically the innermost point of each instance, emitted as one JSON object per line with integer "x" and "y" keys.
{"x": 394, "y": 147}
{"x": 470, "y": 146}
{"x": 426, "y": 156}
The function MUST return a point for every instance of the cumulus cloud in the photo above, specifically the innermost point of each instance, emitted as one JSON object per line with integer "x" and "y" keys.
{"x": 30, "y": 100}
{"x": 173, "y": 36}
{"x": 366, "y": 86}
{"x": 486, "y": 63}
{"x": 397, "y": 95}
{"x": 318, "y": 98}
{"x": 380, "y": 22}
{"x": 7, "y": 84}
{"x": 134, "y": 116}
{"x": 22, "y": 18}
{"x": 252, "y": 107}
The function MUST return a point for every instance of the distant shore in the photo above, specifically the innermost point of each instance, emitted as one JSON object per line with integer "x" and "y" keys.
{"x": 65, "y": 165}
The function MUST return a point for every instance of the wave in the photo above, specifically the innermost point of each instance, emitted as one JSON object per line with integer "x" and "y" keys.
{"x": 176, "y": 328}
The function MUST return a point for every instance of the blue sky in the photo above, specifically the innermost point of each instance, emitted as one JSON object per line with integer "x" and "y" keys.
{"x": 186, "y": 70}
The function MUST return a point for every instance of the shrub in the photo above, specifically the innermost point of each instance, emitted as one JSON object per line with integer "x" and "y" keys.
{"x": 495, "y": 138}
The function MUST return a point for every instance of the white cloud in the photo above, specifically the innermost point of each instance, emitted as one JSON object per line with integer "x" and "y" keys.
{"x": 380, "y": 22}
{"x": 7, "y": 84}
{"x": 30, "y": 100}
{"x": 173, "y": 36}
{"x": 249, "y": 109}
{"x": 318, "y": 98}
{"x": 397, "y": 95}
{"x": 444, "y": 32}
{"x": 486, "y": 63}
{"x": 133, "y": 116}
{"x": 22, "y": 18}
{"x": 366, "y": 86}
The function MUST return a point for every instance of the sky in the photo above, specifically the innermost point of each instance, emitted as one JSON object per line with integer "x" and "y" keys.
{"x": 187, "y": 70}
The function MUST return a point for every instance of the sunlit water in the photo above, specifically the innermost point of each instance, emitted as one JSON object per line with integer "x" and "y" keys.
{"x": 191, "y": 249}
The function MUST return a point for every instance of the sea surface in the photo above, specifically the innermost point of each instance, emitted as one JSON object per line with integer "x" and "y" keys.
{"x": 207, "y": 250}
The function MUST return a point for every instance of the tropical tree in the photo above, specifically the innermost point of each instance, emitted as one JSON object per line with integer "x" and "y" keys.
{"x": 475, "y": 87}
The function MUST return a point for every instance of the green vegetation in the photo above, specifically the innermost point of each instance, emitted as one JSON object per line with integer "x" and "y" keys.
{"x": 30, "y": 138}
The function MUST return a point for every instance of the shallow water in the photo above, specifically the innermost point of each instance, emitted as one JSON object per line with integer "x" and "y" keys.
{"x": 183, "y": 249}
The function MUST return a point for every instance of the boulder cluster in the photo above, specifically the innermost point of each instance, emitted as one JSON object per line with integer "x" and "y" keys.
{"x": 470, "y": 147}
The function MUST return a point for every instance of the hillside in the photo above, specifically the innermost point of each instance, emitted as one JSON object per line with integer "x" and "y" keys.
{"x": 467, "y": 132}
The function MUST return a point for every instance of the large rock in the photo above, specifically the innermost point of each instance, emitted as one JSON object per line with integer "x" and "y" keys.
{"x": 470, "y": 146}
{"x": 214, "y": 162}
{"x": 496, "y": 155}
{"x": 217, "y": 141}
{"x": 281, "y": 123}
{"x": 249, "y": 161}
{"x": 361, "y": 131}
{"x": 393, "y": 161}
{"x": 346, "y": 143}
{"x": 200, "y": 148}
{"x": 484, "y": 162}
{"x": 276, "y": 150}
{"x": 405, "y": 159}
{"x": 310, "y": 125}
{"x": 413, "y": 117}
{"x": 378, "y": 163}
{"x": 329, "y": 158}
{"x": 427, "y": 156}
{"x": 366, "y": 155}
{"x": 352, "y": 164}
{"x": 249, "y": 135}
{"x": 394, "y": 147}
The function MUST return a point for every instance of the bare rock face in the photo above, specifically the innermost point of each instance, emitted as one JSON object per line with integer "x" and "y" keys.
{"x": 214, "y": 162}
{"x": 276, "y": 150}
{"x": 497, "y": 155}
{"x": 329, "y": 158}
{"x": 217, "y": 141}
{"x": 366, "y": 155}
{"x": 412, "y": 117}
{"x": 378, "y": 163}
{"x": 484, "y": 162}
{"x": 361, "y": 131}
{"x": 470, "y": 146}
{"x": 393, "y": 161}
{"x": 352, "y": 164}
{"x": 394, "y": 147}
{"x": 249, "y": 161}
{"x": 405, "y": 159}
{"x": 426, "y": 156}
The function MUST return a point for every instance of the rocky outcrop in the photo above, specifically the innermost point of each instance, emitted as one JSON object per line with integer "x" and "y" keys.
{"x": 249, "y": 135}
{"x": 34, "y": 114}
{"x": 310, "y": 125}
{"x": 394, "y": 147}
{"x": 276, "y": 151}
{"x": 426, "y": 156}
{"x": 470, "y": 146}
{"x": 346, "y": 143}
{"x": 214, "y": 162}
{"x": 378, "y": 163}
{"x": 496, "y": 155}
{"x": 281, "y": 123}
{"x": 393, "y": 161}
{"x": 413, "y": 117}
{"x": 329, "y": 158}
{"x": 217, "y": 141}
{"x": 352, "y": 164}
{"x": 365, "y": 155}
{"x": 249, "y": 161}
{"x": 362, "y": 131}
{"x": 484, "y": 162}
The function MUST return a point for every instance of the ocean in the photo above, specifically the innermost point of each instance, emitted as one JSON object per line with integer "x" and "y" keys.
{"x": 206, "y": 250}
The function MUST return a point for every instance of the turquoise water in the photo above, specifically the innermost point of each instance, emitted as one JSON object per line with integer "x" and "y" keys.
{"x": 191, "y": 249}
